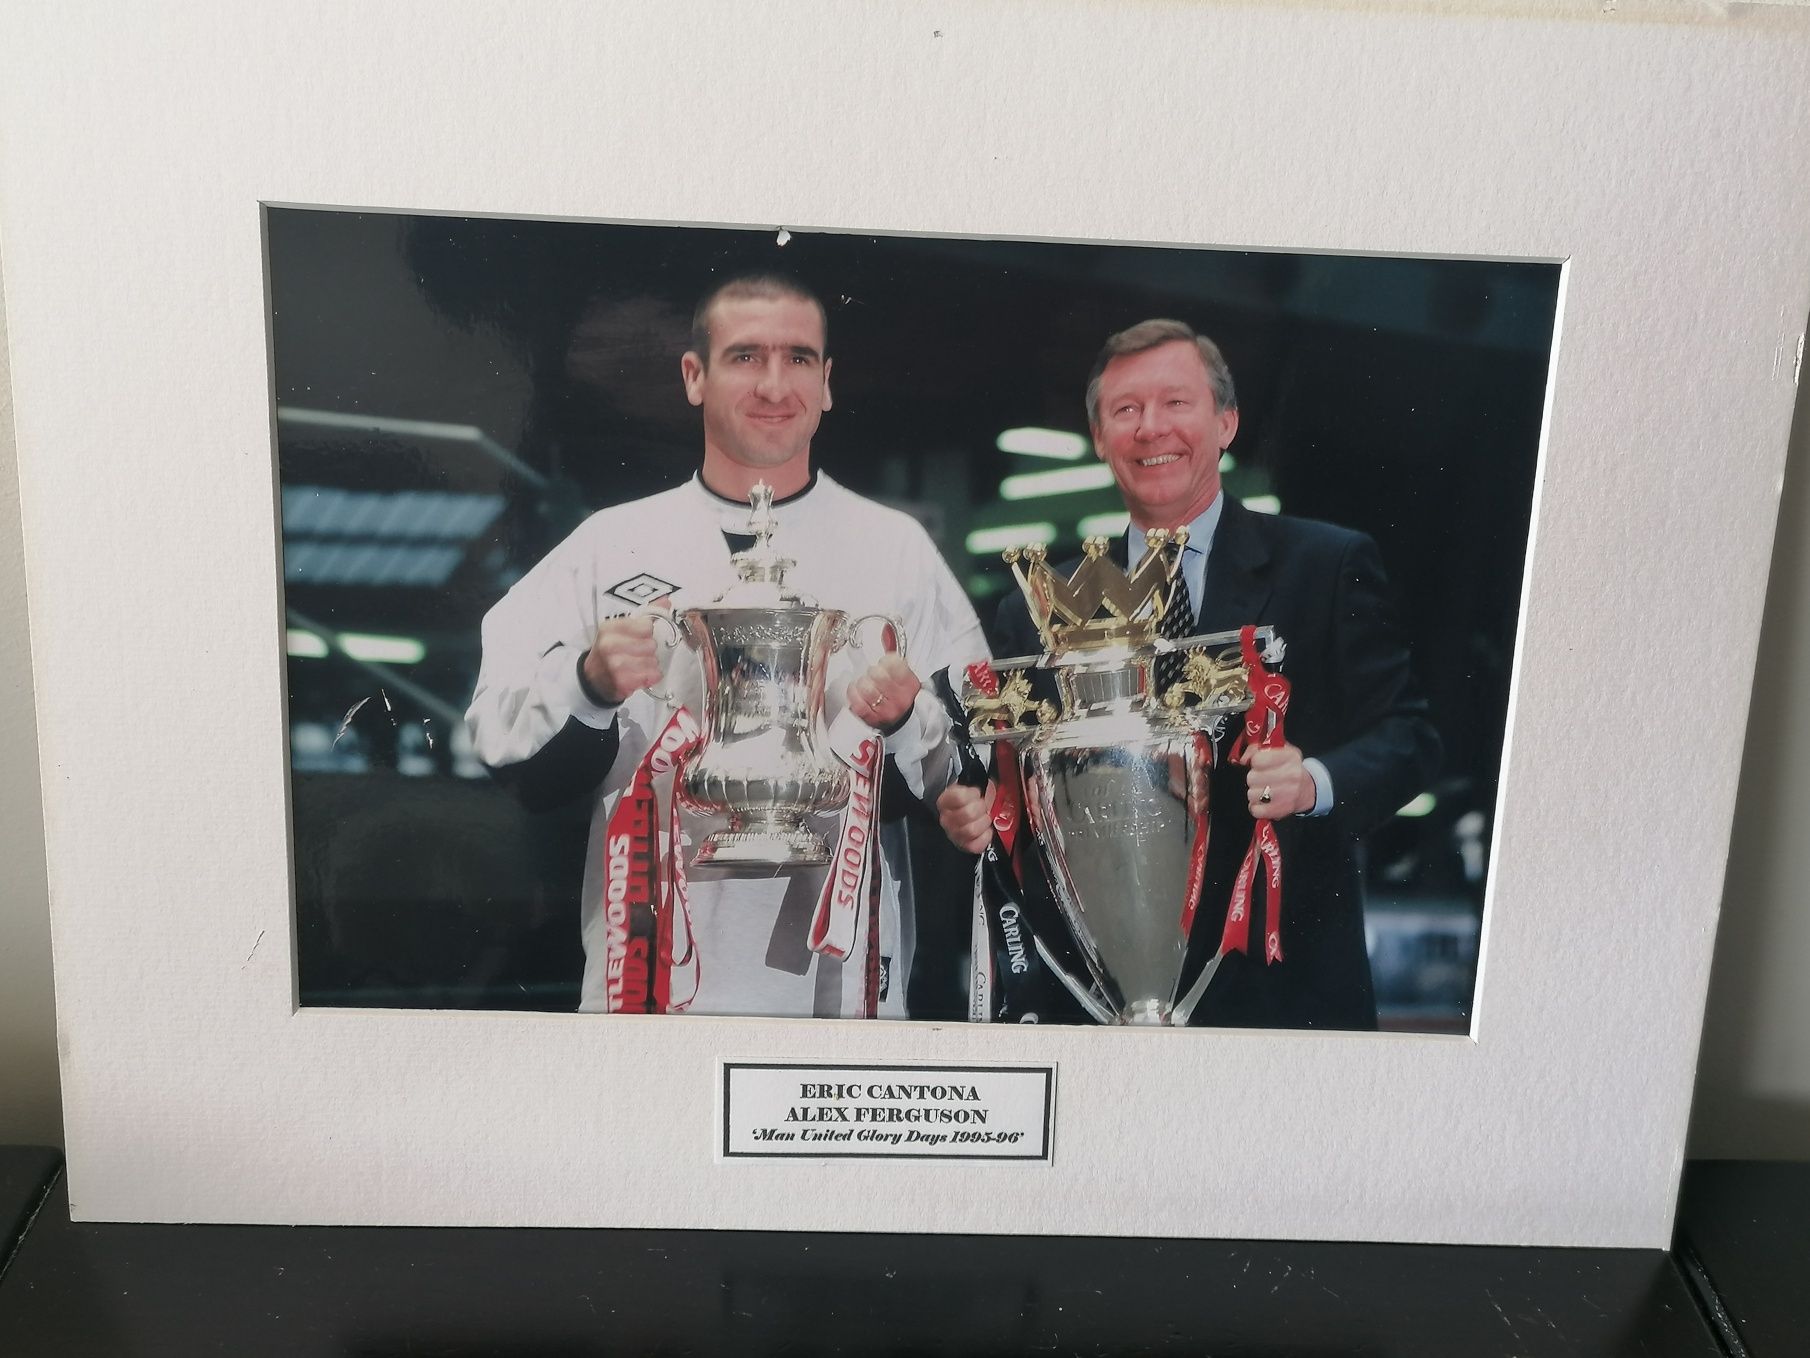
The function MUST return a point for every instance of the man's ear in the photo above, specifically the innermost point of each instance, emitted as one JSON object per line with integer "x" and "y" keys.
{"x": 826, "y": 382}
{"x": 691, "y": 369}
{"x": 1228, "y": 427}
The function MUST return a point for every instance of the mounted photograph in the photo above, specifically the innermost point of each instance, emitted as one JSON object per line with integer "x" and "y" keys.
{"x": 778, "y": 622}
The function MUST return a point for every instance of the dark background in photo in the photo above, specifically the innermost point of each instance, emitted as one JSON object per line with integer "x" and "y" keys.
{"x": 455, "y": 395}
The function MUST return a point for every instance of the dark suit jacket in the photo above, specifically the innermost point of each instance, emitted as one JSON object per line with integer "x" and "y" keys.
{"x": 1355, "y": 707}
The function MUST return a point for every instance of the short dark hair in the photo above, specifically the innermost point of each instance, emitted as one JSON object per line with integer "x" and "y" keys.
{"x": 750, "y": 286}
{"x": 1153, "y": 334}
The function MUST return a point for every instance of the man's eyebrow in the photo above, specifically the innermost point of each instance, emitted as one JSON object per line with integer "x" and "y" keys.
{"x": 1132, "y": 393}
{"x": 797, "y": 350}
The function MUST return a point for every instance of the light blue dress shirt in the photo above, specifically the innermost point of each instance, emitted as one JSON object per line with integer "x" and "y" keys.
{"x": 1194, "y": 571}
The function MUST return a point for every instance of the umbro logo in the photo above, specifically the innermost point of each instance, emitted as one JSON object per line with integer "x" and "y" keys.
{"x": 641, "y": 589}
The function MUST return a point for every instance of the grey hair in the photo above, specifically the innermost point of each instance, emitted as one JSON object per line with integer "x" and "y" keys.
{"x": 1150, "y": 335}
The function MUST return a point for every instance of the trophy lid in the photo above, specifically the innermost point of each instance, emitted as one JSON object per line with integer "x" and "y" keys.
{"x": 761, "y": 570}
{"x": 1100, "y": 607}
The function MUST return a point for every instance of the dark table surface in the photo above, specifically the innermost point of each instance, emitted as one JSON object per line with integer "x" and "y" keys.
{"x": 26, "y": 1174}
{"x": 1744, "y": 1238}
{"x": 371, "y": 1291}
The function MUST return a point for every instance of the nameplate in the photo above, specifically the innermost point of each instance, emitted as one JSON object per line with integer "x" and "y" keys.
{"x": 773, "y": 1109}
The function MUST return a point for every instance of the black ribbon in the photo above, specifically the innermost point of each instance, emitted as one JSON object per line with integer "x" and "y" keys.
{"x": 1017, "y": 906}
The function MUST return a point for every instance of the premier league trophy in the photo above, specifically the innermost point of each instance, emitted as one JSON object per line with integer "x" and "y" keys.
{"x": 1114, "y": 774}
{"x": 766, "y": 761}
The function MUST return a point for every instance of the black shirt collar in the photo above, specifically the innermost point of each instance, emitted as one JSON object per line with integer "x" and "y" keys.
{"x": 722, "y": 499}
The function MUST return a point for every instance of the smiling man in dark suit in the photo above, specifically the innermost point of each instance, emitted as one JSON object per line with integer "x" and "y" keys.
{"x": 1163, "y": 409}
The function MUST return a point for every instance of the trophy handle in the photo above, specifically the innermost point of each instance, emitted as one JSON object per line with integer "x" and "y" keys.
{"x": 850, "y": 632}
{"x": 660, "y": 616}
{"x": 1184, "y": 1007}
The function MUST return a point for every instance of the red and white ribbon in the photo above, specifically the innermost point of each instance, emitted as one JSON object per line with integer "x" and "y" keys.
{"x": 1008, "y": 788}
{"x": 647, "y": 911}
{"x": 836, "y": 923}
{"x": 651, "y": 963}
{"x": 1262, "y": 730}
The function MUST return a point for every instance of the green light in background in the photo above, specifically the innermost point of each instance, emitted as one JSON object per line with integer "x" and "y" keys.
{"x": 1033, "y": 442}
{"x": 305, "y": 645}
{"x": 1103, "y": 525}
{"x": 385, "y": 650}
{"x": 984, "y": 540}
{"x": 1063, "y": 481}
{"x": 1421, "y": 806}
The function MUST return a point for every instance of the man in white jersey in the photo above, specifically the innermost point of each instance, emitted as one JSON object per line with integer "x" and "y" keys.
{"x": 563, "y": 706}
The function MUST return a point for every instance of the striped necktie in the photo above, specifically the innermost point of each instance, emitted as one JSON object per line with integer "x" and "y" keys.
{"x": 1177, "y": 622}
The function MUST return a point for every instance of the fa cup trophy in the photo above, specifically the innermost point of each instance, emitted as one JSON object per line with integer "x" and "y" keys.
{"x": 765, "y": 761}
{"x": 1113, "y": 774}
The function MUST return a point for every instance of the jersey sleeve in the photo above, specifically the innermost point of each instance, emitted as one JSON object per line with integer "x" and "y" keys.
{"x": 942, "y": 632}
{"x": 532, "y": 722}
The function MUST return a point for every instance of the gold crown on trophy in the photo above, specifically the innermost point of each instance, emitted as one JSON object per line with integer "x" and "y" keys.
{"x": 1100, "y": 605}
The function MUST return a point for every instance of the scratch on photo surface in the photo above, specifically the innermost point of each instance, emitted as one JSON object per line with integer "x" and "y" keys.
{"x": 351, "y": 712}
{"x": 1504, "y": 1314}
{"x": 254, "y": 947}
{"x": 426, "y": 730}
{"x": 783, "y": 237}
{"x": 388, "y": 706}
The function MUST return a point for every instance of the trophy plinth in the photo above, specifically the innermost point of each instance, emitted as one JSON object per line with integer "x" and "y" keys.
{"x": 775, "y": 840}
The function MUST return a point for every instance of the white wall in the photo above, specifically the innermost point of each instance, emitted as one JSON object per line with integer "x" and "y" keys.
{"x": 1753, "y": 1091}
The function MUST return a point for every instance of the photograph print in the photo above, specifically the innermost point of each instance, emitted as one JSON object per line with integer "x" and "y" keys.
{"x": 795, "y": 623}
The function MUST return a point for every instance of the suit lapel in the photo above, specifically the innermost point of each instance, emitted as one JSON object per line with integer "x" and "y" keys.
{"x": 1238, "y": 574}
